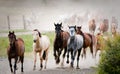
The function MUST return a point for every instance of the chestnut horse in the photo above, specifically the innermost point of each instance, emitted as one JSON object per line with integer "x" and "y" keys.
{"x": 41, "y": 44}
{"x": 15, "y": 50}
{"x": 89, "y": 41}
{"x": 60, "y": 43}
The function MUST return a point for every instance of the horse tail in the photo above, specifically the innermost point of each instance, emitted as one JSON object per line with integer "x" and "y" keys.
{"x": 44, "y": 55}
{"x": 91, "y": 43}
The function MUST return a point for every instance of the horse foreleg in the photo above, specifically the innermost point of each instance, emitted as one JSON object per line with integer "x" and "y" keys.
{"x": 55, "y": 53}
{"x": 35, "y": 59}
{"x": 15, "y": 65}
{"x": 73, "y": 54}
{"x": 10, "y": 64}
{"x": 41, "y": 61}
{"x": 79, "y": 51}
{"x": 62, "y": 64}
{"x": 67, "y": 56}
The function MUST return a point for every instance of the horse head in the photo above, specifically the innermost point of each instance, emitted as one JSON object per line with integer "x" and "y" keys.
{"x": 58, "y": 29}
{"x": 12, "y": 37}
{"x": 78, "y": 30}
{"x": 36, "y": 35}
{"x": 72, "y": 30}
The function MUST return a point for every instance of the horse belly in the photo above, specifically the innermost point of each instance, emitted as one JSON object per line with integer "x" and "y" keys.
{"x": 45, "y": 43}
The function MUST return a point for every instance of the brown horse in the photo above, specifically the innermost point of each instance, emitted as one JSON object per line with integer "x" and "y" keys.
{"x": 60, "y": 42}
{"x": 101, "y": 42}
{"x": 89, "y": 41}
{"x": 15, "y": 50}
{"x": 104, "y": 26}
{"x": 92, "y": 26}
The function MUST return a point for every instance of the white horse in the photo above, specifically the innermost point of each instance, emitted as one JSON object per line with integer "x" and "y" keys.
{"x": 75, "y": 44}
{"x": 41, "y": 44}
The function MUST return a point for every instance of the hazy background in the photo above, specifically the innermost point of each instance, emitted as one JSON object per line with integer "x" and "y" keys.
{"x": 42, "y": 14}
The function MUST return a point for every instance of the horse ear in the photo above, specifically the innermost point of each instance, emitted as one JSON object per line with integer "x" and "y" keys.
{"x": 39, "y": 34}
{"x": 61, "y": 23}
{"x": 9, "y": 32}
{"x": 13, "y": 32}
{"x": 54, "y": 24}
{"x": 75, "y": 27}
{"x": 68, "y": 26}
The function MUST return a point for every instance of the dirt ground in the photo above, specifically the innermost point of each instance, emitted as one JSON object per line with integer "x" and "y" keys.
{"x": 86, "y": 66}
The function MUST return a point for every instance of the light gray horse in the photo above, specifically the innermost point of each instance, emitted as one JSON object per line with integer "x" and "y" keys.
{"x": 74, "y": 45}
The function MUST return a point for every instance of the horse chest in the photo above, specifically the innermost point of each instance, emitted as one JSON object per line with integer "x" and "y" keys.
{"x": 12, "y": 53}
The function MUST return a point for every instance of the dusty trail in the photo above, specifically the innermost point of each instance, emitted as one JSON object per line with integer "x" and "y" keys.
{"x": 85, "y": 66}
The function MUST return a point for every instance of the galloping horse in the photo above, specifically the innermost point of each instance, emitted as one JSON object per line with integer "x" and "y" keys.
{"x": 75, "y": 44}
{"x": 60, "y": 43}
{"x": 15, "y": 50}
{"x": 89, "y": 41}
{"x": 41, "y": 44}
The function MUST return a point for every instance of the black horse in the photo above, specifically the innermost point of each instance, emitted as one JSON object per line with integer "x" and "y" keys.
{"x": 60, "y": 42}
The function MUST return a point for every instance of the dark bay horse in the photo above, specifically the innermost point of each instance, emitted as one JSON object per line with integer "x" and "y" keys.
{"x": 15, "y": 50}
{"x": 74, "y": 45}
{"x": 89, "y": 41}
{"x": 60, "y": 43}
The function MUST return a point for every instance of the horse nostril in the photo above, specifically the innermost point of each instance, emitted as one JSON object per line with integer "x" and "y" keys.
{"x": 34, "y": 41}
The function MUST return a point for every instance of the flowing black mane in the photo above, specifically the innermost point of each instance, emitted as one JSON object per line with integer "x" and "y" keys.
{"x": 38, "y": 32}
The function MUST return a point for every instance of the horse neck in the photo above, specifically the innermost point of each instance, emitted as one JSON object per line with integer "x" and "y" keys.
{"x": 59, "y": 37}
{"x": 13, "y": 47}
{"x": 37, "y": 43}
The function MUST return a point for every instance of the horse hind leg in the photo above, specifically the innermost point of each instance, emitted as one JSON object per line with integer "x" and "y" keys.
{"x": 79, "y": 51}
{"x": 73, "y": 54}
{"x": 46, "y": 59}
{"x": 10, "y": 64}
{"x": 91, "y": 50}
{"x": 22, "y": 60}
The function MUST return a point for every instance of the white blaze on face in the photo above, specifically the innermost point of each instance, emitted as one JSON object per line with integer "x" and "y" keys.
{"x": 72, "y": 32}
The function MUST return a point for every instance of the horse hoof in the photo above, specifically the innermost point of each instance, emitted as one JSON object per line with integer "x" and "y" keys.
{"x": 33, "y": 68}
{"x": 77, "y": 68}
{"x": 62, "y": 64}
{"x": 67, "y": 61}
{"x": 40, "y": 69}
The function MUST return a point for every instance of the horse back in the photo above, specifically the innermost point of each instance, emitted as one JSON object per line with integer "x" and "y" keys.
{"x": 20, "y": 46}
{"x": 44, "y": 42}
{"x": 87, "y": 39}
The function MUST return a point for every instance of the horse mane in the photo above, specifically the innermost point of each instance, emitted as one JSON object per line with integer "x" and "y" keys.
{"x": 38, "y": 32}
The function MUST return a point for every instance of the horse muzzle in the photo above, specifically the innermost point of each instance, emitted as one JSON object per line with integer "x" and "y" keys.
{"x": 34, "y": 41}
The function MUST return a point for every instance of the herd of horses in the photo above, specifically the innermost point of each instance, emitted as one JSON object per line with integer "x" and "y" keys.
{"x": 73, "y": 41}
